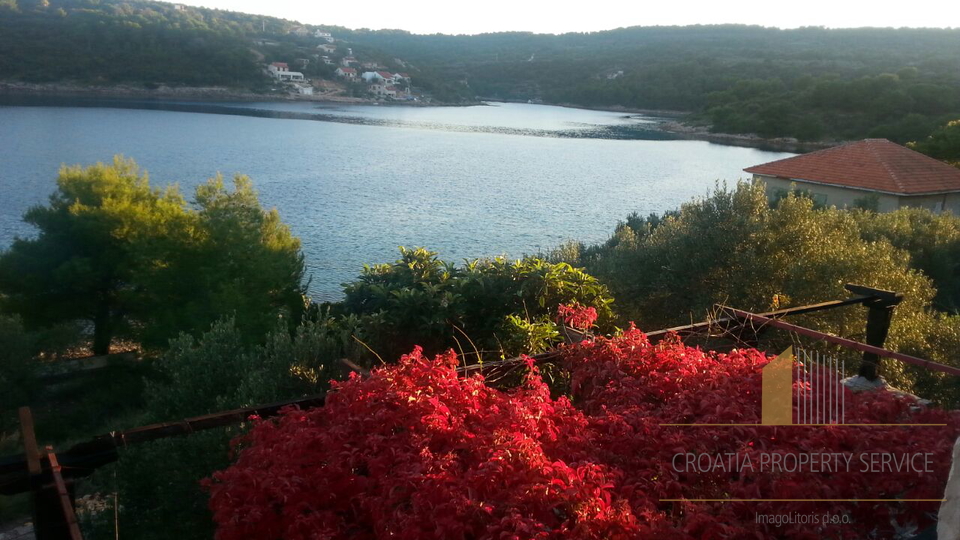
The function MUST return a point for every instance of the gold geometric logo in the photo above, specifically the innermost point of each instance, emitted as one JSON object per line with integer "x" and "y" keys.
{"x": 777, "y": 393}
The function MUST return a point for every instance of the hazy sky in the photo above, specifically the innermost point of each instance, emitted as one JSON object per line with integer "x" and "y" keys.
{"x": 460, "y": 17}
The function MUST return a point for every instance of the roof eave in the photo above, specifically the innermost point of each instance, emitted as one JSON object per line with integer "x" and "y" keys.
{"x": 858, "y": 188}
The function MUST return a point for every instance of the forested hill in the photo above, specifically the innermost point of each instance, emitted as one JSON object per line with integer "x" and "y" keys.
{"x": 810, "y": 83}
{"x": 129, "y": 42}
{"x": 148, "y": 43}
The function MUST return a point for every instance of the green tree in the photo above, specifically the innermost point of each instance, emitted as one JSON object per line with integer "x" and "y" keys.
{"x": 132, "y": 259}
{"x": 238, "y": 260}
{"x": 943, "y": 144}
{"x": 90, "y": 248}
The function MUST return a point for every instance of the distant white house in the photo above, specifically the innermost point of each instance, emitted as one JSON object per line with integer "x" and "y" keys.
{"x": 326, "y": 60}
{"x": 401, "y": 77}
{"x": 323, "y": 35}
{"x": 346, "y": 72}
{"x": 326, "y": 48}
{"x": 291, "y": 76}
{"x": 371, "y": 77}
{"x": 383, "y": 90}
{"x": 348, "y": 61}
{"x": 281, "y": 72}
{"x": 301, "y": 31}
{"x": 305, "y": 89}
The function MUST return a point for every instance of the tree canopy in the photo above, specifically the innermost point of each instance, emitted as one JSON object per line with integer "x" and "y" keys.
{"x": 943, "y": 143}
{"x": 132, "y": 259}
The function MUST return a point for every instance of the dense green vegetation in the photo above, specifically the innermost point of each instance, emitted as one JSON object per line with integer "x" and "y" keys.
{"x": 735, "y": 248}
{"x": 135, "y": 42}
{"x": 496, "y": 308}
{"x": 137, "y": 261}
{"x": 212, "y": 291}
{"x": 943, "y": 143}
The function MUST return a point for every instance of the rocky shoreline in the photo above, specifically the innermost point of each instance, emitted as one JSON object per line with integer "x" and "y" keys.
{"x": 703, "y": 133}
{"x": 191, "y": 93}
{"x": 669, "y": 122}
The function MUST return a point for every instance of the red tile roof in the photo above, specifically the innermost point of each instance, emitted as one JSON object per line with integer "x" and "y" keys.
{"x": 385, "y": 74}
{"x": 870, "y": 164}
{"x": 280, "y": 65}
{"x": 347, "y": 70}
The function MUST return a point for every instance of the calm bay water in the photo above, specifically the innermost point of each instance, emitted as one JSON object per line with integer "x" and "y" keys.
{"x": 356, "y": 182}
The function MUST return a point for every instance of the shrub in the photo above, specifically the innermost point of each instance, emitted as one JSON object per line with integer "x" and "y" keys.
{"x": 932, "y": 240}
{"x": 416, "y": 452}
{"x": 21, "y": 354}
{"x": 17, "y": 370}
{"x": 218, "y": 371}
{"x": 500, "y": 307}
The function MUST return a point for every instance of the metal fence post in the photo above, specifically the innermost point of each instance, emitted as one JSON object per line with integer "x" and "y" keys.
{"x": 53, "y": 498}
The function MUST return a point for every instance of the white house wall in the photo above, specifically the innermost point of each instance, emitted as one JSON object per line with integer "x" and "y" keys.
{"x": 847, "y": 197}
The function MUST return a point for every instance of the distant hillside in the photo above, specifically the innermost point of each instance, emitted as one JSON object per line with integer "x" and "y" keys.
{"x": 809, "y": 83}
{"x": 151, "y": 43}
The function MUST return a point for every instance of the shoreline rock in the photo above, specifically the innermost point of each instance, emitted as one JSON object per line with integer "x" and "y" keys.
{"x": 193, "y": 93}
{"x": 672, "y": 122}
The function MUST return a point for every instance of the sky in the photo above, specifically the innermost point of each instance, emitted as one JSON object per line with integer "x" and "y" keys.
{"x": 542, "y": 16}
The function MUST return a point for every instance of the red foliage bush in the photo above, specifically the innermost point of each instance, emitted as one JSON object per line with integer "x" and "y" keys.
{"x": 577, "y": 316}
{"x": 414, "y": 452}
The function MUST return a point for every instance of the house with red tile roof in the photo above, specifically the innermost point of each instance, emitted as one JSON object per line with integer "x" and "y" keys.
{"x": 853, "y": 173}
